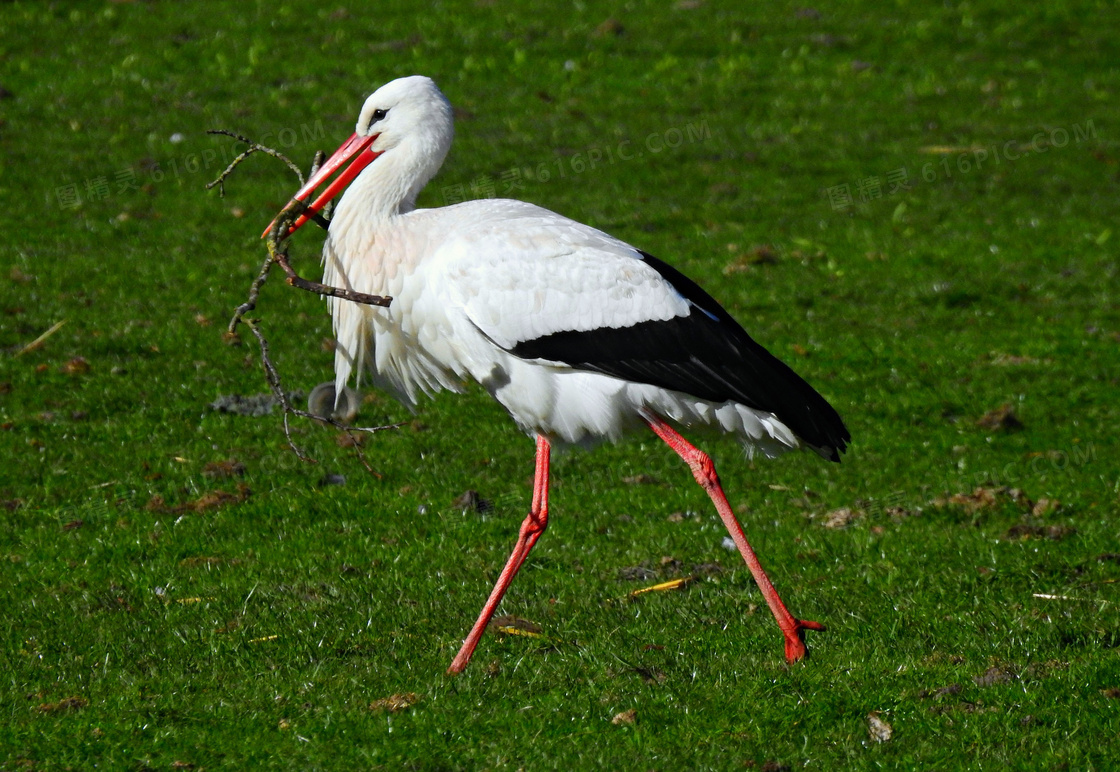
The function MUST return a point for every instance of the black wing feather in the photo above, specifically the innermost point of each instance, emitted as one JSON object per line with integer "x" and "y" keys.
{"x": 706, "y": 354}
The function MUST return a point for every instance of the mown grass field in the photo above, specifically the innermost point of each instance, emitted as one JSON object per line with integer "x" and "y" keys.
{"x": 914, "y": 205}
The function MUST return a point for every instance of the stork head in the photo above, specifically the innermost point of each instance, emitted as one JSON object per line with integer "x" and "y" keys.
{"x": 408, "y": 109}
{"x": 410, "y": 120}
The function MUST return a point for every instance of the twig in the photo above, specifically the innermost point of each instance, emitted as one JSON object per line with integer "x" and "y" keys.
{"x": 251, "y": 302}
{"x": 253, "y": 148}
{"x": 316, "y": 162}
{"x": 279, "y": 254}
{"x": 279, "y": 232}
{"x": 273, "y": 378}
{"x": 297, "y": 281}
{"x": 275, "y": 241}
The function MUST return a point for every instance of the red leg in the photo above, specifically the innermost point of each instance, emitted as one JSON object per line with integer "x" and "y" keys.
{"x": 705, "y": 473}
{"x": 531, "y": 529}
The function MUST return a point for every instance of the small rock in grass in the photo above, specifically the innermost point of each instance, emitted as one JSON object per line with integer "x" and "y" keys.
{"x": 879, "y": 729}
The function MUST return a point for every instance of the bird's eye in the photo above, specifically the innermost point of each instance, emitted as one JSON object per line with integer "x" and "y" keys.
{"x": 378, "y": 114}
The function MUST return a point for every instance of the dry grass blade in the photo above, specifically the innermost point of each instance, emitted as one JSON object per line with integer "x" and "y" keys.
{"x": 673, "y": 584}
{"x": 41, "y": 339}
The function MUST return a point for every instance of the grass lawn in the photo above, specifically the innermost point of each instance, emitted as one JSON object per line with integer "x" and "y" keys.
{"x": 915, "y": 205}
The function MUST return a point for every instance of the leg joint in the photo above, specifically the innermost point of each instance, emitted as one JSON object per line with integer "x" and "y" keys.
{"x": 703, "y": 469}
{"x": 534, "y": 524}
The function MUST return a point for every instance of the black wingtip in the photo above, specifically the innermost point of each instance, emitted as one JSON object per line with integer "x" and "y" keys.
{"x": 766, "y": 382}
{"x": 830, "y": 428}
{"x": 833, "y": 452}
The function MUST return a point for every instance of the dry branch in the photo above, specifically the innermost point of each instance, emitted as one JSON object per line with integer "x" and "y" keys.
{"x": 278, "y": 233}
{"x": 278, "y": 253}
{"x": 253, "y": 147}
{"x": 275, "y": 241}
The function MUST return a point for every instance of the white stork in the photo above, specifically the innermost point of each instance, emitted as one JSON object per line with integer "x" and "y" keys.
{"x": 578, "y": 335}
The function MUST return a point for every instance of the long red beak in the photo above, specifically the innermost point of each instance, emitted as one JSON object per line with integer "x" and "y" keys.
{"x": 356, "y": 148}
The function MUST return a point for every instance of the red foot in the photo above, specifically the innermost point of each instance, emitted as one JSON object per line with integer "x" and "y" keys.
{"x": 795, "y": 643}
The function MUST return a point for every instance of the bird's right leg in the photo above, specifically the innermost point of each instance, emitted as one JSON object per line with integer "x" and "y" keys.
{"x": 531, "y": 529}
{"x": 705, "y": 473}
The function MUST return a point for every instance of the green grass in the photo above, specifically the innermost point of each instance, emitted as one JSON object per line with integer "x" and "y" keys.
{"x": 256, "y": 633}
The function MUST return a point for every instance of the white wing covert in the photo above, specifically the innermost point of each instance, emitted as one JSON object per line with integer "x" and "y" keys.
{"x": 577, "y": 281}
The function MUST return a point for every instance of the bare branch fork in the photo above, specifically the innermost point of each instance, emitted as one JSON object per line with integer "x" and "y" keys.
{"x": 275, "y": 241}
{"x": 278, "y": 233}
{"x": 253, "y": 147}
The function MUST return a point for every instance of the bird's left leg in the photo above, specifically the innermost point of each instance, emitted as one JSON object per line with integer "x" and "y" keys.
{"x": 531, "y": 529}
{"x": 705, "y": 473}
